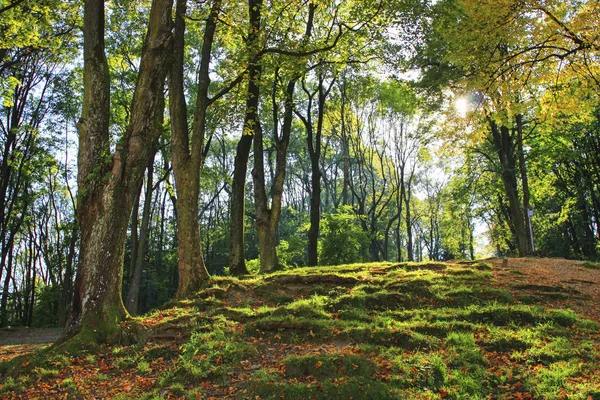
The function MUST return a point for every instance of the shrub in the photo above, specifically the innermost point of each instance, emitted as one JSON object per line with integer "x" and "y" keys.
{"x": 342, "y": 240}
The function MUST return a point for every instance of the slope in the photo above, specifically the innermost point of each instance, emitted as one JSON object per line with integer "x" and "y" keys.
{"x": 364, "y": 331}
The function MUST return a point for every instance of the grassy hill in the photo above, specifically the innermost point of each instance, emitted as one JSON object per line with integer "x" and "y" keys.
{"x": 364, "y": 331}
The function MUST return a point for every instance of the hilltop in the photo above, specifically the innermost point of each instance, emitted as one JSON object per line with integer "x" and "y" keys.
{"x": 524, "y": 328}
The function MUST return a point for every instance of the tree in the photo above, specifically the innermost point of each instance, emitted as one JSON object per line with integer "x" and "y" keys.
{"x": 237, "y": 263}
{"x": 108, "y": 182}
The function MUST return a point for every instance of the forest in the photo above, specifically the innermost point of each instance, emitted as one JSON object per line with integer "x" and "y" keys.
{"x": 149, "y": 145}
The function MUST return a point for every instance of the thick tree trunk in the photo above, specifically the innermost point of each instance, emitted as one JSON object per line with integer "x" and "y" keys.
{"x": 188, "y": 160}
{"x": 315, "y": 211}
{"x": 267, "y": 240}
{"x": 97, "y": 304}
{"x": 191, "y": 262}
{"x": 108, "y": 185}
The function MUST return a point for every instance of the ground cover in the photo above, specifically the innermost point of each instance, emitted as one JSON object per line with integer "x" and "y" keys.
{"x": 364, "y": 331}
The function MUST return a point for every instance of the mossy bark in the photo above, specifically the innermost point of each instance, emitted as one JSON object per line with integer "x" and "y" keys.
{"x": 189, "y": 152}
{"x": 108, "y": 183}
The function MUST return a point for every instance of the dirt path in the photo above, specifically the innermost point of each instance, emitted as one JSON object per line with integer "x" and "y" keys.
{"x": 554, "y": 282}
{"x": 15, "y": 336}
{"x": 19, "y": 341}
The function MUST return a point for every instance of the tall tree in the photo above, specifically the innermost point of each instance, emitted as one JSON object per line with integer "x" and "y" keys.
{"x": 108, "y": 182}
{"x": 237, "y": 263}
{"x": 189, "y": 153}
{"x": 267, "y": 218}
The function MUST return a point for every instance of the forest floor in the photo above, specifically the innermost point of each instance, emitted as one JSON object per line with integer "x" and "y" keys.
{"x": 499, "y": 329}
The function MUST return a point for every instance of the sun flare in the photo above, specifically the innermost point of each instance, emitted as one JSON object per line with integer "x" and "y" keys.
{"x": 461, "y": 105}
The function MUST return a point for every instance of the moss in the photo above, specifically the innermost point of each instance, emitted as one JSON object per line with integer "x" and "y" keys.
{"x": 591, "y": 265}
{"x": 323, "y": 366}
{"x": 380, "y": 300}
{"x": 269, "y": 386}
{"x": 414, "y": 287}
{"x": 405, "y": 339}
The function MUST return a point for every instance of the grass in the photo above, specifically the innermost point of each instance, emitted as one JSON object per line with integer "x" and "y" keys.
{"x": 363, "y": 331}
{"x": 591, "y": 265}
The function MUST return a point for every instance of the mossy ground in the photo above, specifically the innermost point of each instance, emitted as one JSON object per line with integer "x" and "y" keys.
{"x": 364, "y": 331}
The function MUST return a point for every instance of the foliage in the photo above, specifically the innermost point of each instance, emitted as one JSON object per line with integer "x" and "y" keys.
{"x": 342, "y": 241}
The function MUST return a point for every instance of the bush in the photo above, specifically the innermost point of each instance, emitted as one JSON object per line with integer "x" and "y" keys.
{"x": 342, "y": 240}
{"x": 291, "y": 252}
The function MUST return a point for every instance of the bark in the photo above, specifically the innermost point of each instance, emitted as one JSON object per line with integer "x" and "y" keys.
{"x": 5, "y": 287}
{"x": 108, "y": 185}
{"x": 471, "y": 242}
{"x": 188, "y": 153}
{"x": 31, "y": 293}
{"x": 504, "y": 148}
{"x": 133, "y": 290}
{"x": 237, "y": 264}
{"x": 524, "y": 181}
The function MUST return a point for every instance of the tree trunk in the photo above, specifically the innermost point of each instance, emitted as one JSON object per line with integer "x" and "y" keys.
{"x": 315, "y": 211}
{"x": 29, "y": 318}
{"x": 524, "y": 181}
{"x": 134, "y": 242}
{"x": 345, "y": 147}
{"x": 108, "y": 185}
{"x": 191, "y": 262}
{"x": 504, "y": 148}
{"x": 188, "y": 160}
{"x": 313, "y": 138}
{"x": 408, "y": 219}
{"x": 588, "y": 243}
{"x": 237, "y": 264}
{"x": 267, "y": 219}
{"x": 67, "y": 289}
{"x": 133, "y": 291}
{"x": 8, "y": 265}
